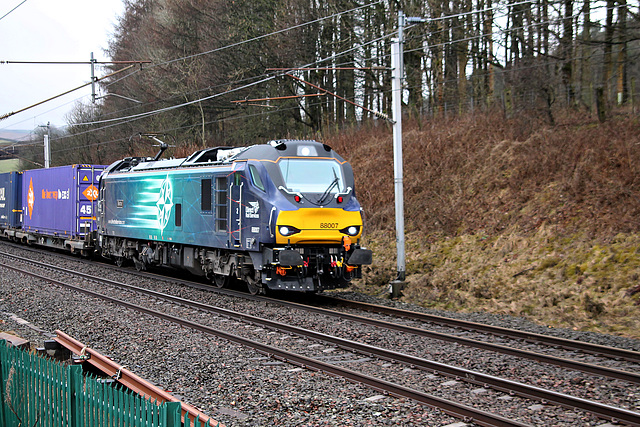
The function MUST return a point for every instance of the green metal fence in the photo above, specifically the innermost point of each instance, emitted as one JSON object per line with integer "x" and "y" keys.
{"x": 39, "y": 392}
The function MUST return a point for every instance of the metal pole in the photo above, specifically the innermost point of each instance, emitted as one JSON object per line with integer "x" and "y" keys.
{"x": 47, "y": 147}
{"x": 93, "y": 79}
{"x": 396, "y": 103}
{"x": 397, "y": 64}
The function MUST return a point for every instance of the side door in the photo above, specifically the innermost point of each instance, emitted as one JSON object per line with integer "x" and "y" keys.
{"x": 236, "y": 211}
{"x": 87, "y": 199}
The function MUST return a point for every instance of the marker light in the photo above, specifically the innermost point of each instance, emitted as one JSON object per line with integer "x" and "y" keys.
{"x": 297, "y": 199}
{"x": 340, "y": 199}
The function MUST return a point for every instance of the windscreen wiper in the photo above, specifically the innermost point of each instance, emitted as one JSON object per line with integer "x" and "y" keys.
{"x": 328, "y": 190}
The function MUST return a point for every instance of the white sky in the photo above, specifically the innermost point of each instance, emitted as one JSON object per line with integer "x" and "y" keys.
{"x": 47, "y": 30}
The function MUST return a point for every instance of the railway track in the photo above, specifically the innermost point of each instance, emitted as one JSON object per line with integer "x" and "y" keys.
{"x": 320, "y": 302}
{"x": 476, "y": 378}
{"x": 538, "y": 339}
{"x": 595, "y": 349}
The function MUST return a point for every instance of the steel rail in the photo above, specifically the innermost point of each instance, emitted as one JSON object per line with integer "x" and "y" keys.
{"x": 604, "y": 371}
{"x": 127, "y": 378}
{"x": 524, "y": 390}
{"x": 601, "y": 350}
{"x": 595, "y": 349}
{"x": 450, "y": 407}
{"x": 631, "y": 377}
{"x": 540, "y": 357}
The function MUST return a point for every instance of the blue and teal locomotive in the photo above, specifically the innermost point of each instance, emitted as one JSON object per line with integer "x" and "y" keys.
{"x": 278, "y": 216}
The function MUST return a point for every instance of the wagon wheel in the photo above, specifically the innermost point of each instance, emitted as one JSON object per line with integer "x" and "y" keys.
{"x": 120, "y": 261}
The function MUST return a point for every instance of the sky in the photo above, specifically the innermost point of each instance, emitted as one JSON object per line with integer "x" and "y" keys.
{"x": 46, "y": 30}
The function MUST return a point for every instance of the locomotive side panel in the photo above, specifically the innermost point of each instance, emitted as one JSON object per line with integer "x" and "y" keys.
{"x": 167, "y": 206}
{"x": 250, "y": 209}
{"x": 209, "y": 207}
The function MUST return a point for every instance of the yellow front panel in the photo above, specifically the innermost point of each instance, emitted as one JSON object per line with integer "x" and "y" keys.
{"x": 318, "y": 225}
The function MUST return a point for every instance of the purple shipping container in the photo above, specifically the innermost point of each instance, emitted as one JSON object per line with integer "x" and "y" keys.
{"x": 10, "y": 200}
{"x": 61, "y": 201}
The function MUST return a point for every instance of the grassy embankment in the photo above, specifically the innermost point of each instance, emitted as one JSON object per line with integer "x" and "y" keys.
{"x": 10, "y": 164}
{"x": 510, "y": 216}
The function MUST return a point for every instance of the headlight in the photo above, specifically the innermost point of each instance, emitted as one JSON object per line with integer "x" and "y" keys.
{"x": 287, "y": 230}
{"x": 351, "y": 231}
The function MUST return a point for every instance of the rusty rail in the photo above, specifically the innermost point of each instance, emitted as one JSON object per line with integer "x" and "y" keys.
{"x": 128, "y": 378}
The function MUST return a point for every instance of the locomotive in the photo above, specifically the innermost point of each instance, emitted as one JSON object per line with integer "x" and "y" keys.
{"x": 280, "y": 216}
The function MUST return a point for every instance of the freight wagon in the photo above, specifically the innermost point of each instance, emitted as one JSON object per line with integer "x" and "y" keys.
{"x": 59, "y": 207}
{"x": 10, "y": 203}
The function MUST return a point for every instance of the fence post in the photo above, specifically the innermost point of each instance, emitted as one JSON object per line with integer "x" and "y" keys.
{"x": 74, "y": 382}
{"x": 172, "y": 414}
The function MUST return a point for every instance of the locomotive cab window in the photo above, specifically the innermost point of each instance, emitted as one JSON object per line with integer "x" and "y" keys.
{"x": 312, "y": 176}
{"x": 255, "y": 177}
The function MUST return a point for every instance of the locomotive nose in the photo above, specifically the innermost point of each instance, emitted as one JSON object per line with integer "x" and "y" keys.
{"x": 317, "y": 225}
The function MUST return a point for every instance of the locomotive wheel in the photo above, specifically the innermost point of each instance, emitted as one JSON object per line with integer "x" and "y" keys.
{"x": 254, "y": 288}
{"x": 220, "y": 280}
{"x": 139, "y": 264}
{"x": 254, "y": 284}
{"x": 119, "y": 261}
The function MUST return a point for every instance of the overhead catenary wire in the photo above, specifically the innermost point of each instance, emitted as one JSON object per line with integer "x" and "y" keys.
{"x": 323, "y": 60}
{"x": 319, "y": 61}
{"x": 246, "y": 41}
{"x": 268, "y": 78}
{"x": 278, "y": 32}
{"x": 226, "y": 119}
{"x": 4, "y": 116}
{"x": 5, "y": 15}
{"x": 219, "y": 120}
{"x": 214, "y": 50}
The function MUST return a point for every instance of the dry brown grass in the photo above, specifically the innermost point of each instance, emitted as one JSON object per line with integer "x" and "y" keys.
{"x": 511, "y": 216}
{"x": 487, "y": 173}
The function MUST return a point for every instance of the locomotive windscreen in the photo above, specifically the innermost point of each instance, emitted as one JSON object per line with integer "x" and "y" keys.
{"x": 312, "y": 176}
